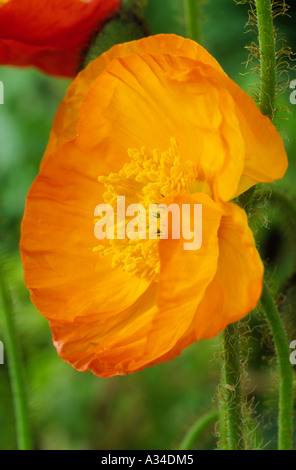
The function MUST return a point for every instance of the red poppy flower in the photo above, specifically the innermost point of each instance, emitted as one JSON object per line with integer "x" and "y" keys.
{"x": 50, "y": 34}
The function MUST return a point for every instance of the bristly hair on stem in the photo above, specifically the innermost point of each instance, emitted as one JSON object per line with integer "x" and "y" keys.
{"x": 239, "y": 420}
{"x": 283, "y": 56}
{"x": 279, "y": 335}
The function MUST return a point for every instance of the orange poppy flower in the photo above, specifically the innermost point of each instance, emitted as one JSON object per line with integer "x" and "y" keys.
{"x": 154, "y": 120}
{"x": 50, "y": 34}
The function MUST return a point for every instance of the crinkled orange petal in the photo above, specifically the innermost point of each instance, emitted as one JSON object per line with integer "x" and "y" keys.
{"x": 145, "y": 101}
{"x": 108, "y": 345}
{"x": 265, "y": 155}
{"x": 50, "y": 34}
{"x": 184, "y": 94}
{"x": 66, "y": 119}
{"x": 168, "y": 96}
{"x": 153, "y": 325}
{"x": 184, "y": 277}
{"x": 236, "y": 288}
{"x": 237, "y": 285}
{"x": 65, "y": 277}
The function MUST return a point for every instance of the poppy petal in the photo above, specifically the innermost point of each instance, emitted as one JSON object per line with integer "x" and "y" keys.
{"x": 237, "y": 285}
{"x": 66, "y": 119}
{"x": 184, "y": 276}
{"x": 65, "y": 277}
{"x": 151, "y": 327}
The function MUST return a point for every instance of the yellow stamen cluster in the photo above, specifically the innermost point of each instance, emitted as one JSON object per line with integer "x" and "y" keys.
{"x": 146, "y": 179}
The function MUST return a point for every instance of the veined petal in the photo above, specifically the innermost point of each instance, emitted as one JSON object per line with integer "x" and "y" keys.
{"x": 232, "y": 142}
{"x": 65, "y": 277}
{"x": 153, "y": 325}
{"x": 237, "y": 285}
{"x": 66, "y": 120}
{"x": 107, "y": 345}
{"x": 233, "y": 292}
{"x": 265, "y": 156}
{"x": 184, "y": 276}
{"x": 145, "y": 101}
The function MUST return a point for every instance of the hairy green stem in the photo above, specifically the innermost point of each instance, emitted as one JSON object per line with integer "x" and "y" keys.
{"x": 193, "y": 19}
{"x": 15, "y": 368}
{"x": 223, "y": 425}
{"x": 231, "y": 382}
{"x": 267, "y": 102}
{"x": 198, "y": 428}
{"x": 267, "y": 57}
{"x": 232, "y": 411}
{"x": 285, "y": 419}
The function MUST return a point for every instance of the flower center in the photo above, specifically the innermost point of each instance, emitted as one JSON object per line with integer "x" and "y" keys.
{"x": 2, "y": 2}
{"x": 146, "y": 179}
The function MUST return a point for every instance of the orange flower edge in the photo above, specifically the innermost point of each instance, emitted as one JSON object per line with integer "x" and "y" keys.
{"x": 159, "y": 121}
{"x": 50, "y": 35}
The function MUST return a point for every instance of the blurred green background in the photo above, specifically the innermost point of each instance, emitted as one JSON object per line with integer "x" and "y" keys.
{"x": 151, "y": 409}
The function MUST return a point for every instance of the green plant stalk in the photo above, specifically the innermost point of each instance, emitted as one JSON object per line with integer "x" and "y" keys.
{"x": 285, "y": 419}
{"x": 232, "y": 412}
{"x": 232, "y": 428}
{"x": 198, "y": 428}
{"x": 267, "y": 50}
{"x": 232, "y": 392}
{"x": 267, "y": 102}
{"x": 223, "y": 425}
{"x": 193, "y": 23}
{"x": 15, "y": 369}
